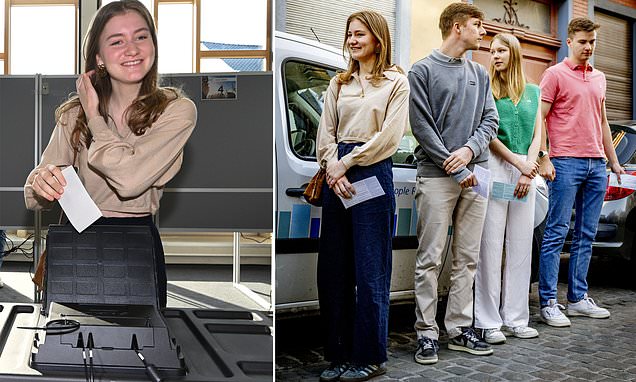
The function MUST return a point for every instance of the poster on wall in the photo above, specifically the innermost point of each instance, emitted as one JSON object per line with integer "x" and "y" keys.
{"x": 218, "y": 88}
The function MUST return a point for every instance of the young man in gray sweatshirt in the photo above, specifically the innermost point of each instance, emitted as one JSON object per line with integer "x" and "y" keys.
{"x": 453, "y": 117}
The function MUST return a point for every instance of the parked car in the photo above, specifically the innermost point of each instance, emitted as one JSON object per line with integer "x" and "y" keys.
{"x": 617, "y": 223}
{"x": 303, "y": 71}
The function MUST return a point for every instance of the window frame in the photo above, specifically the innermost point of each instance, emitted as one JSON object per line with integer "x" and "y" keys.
{"x": 262, "y": 53}
{"x": 200, "y": 54}
{"x": 549, "y": 40}
{"x": 195, "y": 24}
{"x": 6, "y": 54}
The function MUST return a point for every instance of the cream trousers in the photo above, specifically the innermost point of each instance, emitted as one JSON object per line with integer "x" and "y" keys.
{"x": 501, "y": 295}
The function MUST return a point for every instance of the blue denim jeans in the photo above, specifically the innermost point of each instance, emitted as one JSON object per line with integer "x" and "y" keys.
{"x": 354, "y": 269}
{"x": 579, "y": 182}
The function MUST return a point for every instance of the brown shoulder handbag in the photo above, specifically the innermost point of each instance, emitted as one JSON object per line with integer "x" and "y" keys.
{"x": 38, "y": 277}
{"x": 313, "y": 191}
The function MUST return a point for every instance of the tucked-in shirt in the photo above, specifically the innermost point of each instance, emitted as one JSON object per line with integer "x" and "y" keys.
{"x": 451, "y": 106}
{"x": 123, "y": 175}
{"x": 375, "y": 115}
{"x": 516, "y": 122}
{"x": 574, "y": 121}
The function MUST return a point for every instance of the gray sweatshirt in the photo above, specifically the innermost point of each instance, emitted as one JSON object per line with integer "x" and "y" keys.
{"x": 451, "y": 105}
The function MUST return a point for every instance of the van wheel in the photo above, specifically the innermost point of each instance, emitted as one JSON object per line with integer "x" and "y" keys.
{"x": 537, "y": 239}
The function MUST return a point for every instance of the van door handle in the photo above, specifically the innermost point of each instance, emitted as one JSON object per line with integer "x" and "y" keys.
{"x": 295, "y": 192}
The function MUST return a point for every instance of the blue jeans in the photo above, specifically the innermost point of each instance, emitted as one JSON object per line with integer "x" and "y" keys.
{"x": 579, "y": 182}
{"x": 354, "y": 269}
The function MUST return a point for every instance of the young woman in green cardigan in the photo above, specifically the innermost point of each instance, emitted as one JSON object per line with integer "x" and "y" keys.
{"x": 501, "y": 298}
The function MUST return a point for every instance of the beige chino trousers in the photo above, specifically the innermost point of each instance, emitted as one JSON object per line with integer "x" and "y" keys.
{"x": 442, "y": 203}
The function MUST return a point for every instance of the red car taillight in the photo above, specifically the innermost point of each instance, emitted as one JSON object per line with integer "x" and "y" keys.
{"x": 616, "y": 193}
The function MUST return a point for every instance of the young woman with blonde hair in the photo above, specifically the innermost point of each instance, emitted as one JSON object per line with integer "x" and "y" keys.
{"x": 501, "y": 302}
{"x": 364, "y": 119}
{"x": 123, "y": 132}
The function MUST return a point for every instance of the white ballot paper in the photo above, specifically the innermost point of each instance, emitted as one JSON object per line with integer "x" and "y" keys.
{"x": 366, "y": 189}
{"x": 627, "y": 181}
{"x": 483, "y": 181}
{"x": 506, "y": 191}
{"x": 78, "y": 206}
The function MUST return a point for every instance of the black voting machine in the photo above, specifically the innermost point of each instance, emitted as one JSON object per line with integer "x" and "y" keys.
{"x": 102, "y": 304}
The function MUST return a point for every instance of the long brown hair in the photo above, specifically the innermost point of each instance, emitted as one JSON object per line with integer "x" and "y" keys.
{"x": 510, "y": 82}
{"x": 151, "y": 100}
{"x": 379, "y": 28}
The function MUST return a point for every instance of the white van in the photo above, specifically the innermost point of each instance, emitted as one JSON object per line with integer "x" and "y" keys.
{"x": 303, "y": 69}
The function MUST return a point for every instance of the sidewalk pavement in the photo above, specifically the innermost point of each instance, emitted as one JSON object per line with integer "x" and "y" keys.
{"x": 589, "y": 350}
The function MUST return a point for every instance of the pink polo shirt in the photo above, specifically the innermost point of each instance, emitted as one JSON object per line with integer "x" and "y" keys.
{"x": 574, "y": 121}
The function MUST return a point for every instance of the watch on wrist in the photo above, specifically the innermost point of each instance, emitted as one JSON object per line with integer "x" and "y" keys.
{"x": 543, "y": 153}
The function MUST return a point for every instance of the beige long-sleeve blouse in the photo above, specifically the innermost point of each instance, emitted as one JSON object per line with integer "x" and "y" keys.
{"x": 123, "y": 175}
{"x": 374, "y": 115}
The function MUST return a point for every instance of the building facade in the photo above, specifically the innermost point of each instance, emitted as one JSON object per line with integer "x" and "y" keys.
{"x": 540, "y": 25}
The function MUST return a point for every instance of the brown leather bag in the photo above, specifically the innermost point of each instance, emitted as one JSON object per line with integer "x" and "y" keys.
{"x": 313, "y": 191}
{"x": 38, "y": 277}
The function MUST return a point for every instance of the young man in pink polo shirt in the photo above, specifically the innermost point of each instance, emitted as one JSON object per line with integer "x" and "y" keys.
{"x": 573, "y": 106}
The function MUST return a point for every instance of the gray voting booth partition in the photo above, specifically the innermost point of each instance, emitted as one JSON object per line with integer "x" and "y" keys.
{"x": 225, "y": 183}
{"x": 18, "y": 140}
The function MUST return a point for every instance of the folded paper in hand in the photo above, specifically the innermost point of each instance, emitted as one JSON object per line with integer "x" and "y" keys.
{"x": 506, "y": 191}
{"x": 627, "y": 181}
{"x": 366, "y": 189}
{"x": 483, "y": 181}
{"x": 77, "y": 204}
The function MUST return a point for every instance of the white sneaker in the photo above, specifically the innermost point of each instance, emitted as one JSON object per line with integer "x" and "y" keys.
{"x": 1, "y": 283}
{"x": 553, "y": 316}
{"x": 493, "y": 336}
{"x": 588, "y": 308}
{"x": 521, "y": 331}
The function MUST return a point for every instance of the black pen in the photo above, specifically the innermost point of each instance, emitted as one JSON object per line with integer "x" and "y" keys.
{"x": 90, "y": 356}
{"x": 80, "y": 342}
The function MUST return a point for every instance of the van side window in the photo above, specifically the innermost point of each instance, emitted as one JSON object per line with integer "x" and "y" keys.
{"x": 404, "y": 156}
{"x": 306, "y": 84}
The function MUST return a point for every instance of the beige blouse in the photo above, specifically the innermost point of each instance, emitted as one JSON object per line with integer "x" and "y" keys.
{"x": 123, "y": 175}
{"x": 374, "y": 115}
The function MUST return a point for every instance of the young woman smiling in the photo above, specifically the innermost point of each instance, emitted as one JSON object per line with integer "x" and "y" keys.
{"x": 123, "y": 132}
{"x": 509, "y": 225}
{"x": 364, "y": 119}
